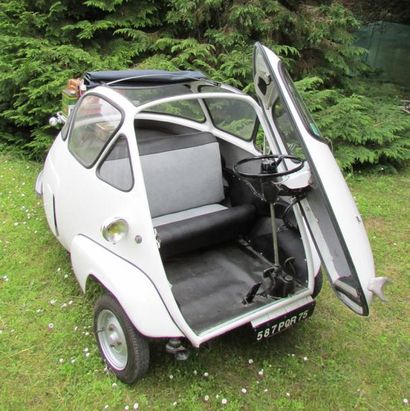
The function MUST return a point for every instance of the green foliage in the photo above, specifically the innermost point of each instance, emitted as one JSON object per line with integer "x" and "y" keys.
{"x": 396, "y": 11}
{"x": 43, "y": 43}
{"x": 367, "y": 128}
{"x": 329, "y": 33}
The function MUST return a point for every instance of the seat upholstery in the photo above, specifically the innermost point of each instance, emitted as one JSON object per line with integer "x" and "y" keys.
{"x": 205, "y": 230}
{"x": 185, "y": 214}
{"x": 181, "y": 172}
{"x": 184, "y": 185}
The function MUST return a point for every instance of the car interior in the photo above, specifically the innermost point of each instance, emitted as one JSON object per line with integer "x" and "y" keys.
{"x": 214, "y": 231}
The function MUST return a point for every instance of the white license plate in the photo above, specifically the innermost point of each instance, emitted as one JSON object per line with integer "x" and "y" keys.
{"x": 282, "y": 323}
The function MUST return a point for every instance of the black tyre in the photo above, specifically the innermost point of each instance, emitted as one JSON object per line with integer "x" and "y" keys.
{"x": 123, "y": 348}
{"x": 318, "y": 284}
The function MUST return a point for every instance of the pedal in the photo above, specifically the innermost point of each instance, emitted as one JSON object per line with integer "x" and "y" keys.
{"x": 248, "y": 299}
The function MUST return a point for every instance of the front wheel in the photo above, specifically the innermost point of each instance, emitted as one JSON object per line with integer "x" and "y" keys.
{"x": 318, "y": 284}
{"x": 123, "y": 348}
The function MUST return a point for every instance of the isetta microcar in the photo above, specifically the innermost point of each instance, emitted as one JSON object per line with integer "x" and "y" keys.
{"x": 199, "y": 210}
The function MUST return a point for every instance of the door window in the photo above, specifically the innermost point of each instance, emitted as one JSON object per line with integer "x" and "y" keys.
{"x": 95, "y": 122}
{"x": 116, "y": 167}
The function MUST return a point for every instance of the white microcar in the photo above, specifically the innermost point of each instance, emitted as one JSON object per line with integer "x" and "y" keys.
{"x": 198, "y": 210}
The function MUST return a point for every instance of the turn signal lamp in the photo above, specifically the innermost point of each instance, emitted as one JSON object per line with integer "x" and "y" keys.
{"x": 115, "y": 230}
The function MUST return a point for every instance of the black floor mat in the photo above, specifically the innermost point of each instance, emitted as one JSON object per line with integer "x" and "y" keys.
{"x": 210, "y": 285}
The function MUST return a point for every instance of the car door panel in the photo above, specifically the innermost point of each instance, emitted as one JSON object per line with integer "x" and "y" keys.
{"x": 329, "y": 209}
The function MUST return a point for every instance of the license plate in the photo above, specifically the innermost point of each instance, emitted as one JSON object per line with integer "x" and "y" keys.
{"x": 282, "y": 323}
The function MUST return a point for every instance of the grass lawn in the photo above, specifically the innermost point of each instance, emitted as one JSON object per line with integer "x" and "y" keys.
{"x": 334, "y": 361}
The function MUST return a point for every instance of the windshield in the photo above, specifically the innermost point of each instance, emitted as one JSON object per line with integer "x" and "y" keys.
{"x": 299, "y": 103}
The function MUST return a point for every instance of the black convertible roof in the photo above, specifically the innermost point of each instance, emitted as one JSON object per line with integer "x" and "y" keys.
{"x": 139, "y": 77}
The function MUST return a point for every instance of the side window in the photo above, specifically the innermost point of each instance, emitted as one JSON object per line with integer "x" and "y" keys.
{"x": 233, "y": 116}
{"x": 116, "y": 169}
{"x": 95, "y": 122}
{"x": 260, "y": 143}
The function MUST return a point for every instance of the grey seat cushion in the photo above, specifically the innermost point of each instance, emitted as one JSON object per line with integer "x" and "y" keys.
{"x": 187, "y": 175}
{"x": 184, "y": 215}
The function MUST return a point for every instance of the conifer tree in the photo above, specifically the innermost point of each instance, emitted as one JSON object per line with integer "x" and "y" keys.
{"x": 43, "y": 43}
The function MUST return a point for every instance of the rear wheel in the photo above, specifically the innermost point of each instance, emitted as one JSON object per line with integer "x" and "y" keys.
{"x": 123, "y": 348}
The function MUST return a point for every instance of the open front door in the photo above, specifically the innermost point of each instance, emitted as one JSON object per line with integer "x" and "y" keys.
{"x": 329, "y": 209}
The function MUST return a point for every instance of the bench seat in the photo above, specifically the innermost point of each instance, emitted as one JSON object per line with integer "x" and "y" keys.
{"x": 184, "y": 185}
{"x": 184, "y": 215}
{"x": 205, "y": 230}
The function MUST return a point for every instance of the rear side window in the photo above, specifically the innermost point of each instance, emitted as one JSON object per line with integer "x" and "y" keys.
{"x": 95, "y": 122}
{"x": 233, "y": 116}
{"x": 116, "y": 167}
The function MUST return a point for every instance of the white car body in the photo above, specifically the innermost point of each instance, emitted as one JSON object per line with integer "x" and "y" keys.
{"x": 78, "y": 205}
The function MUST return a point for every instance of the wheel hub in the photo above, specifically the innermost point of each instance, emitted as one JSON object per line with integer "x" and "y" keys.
{"x": 112, "y": 339}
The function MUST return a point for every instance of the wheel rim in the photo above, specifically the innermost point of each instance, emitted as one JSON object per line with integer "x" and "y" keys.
{"x": 112, "y": 339}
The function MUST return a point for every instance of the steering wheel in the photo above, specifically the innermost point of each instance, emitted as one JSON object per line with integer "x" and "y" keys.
{"x": 266, "y": 167}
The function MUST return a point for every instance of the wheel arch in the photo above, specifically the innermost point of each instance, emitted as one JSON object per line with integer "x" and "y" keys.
{"x": 97, "y": 268}
{"x": 93, "y": 285}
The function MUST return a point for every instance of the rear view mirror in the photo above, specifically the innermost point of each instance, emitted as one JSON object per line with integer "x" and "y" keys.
{"x": 58, "y": 119}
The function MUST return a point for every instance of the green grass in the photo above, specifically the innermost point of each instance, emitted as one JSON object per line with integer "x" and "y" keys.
{"x": 352, "y": 363}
